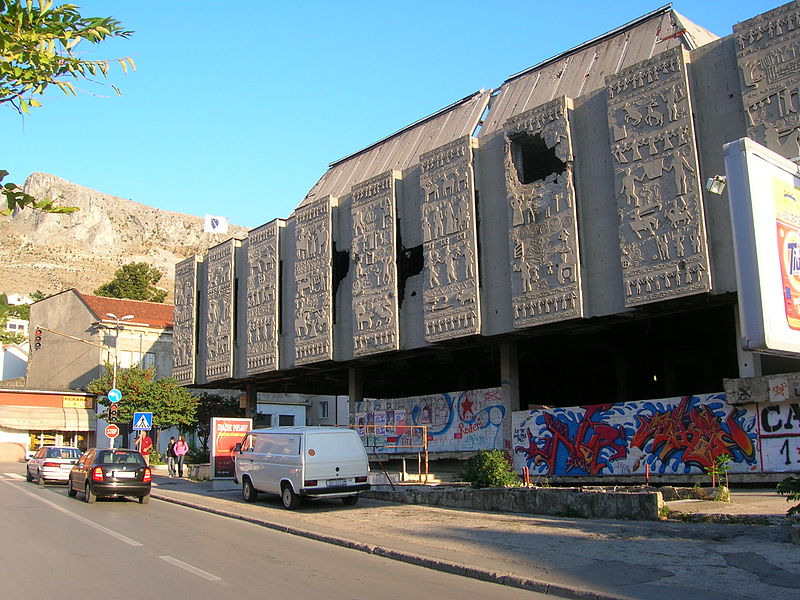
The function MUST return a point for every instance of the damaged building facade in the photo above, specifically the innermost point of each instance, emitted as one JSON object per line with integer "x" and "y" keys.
{"x": 537, "y": 268}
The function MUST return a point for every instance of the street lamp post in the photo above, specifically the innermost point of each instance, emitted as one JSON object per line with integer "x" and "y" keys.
{"x": 117, "y": 327}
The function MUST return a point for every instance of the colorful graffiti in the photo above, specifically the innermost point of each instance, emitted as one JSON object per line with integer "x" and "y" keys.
{"x": 692, "y": 434}
{"x": 588, "y": 446}
{"x": 455, "y": 422}
{"x": 673, "y": 435}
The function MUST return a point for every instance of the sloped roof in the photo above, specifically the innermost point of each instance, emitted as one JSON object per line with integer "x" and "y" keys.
{"x": 572, "y": 73}
{"x": 403, "y": 148}
{"x": 584, "y": 68}
{"x": 148, "y": 314}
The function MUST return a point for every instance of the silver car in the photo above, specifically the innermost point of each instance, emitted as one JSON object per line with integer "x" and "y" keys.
{"x": 52, "y": 463}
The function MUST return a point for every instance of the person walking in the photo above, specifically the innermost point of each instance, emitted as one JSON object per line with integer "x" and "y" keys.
{"x": 171, "y": 457}
{"x": 181, "y": 448}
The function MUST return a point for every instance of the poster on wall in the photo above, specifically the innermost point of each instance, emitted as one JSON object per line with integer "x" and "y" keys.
{"x": 226, "y": 432}
{"x": 453, "y": 422}
{"x": 764, "y": 190}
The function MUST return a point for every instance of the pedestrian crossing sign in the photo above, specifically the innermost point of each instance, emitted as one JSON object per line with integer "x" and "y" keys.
{"x": 142, "y": 421}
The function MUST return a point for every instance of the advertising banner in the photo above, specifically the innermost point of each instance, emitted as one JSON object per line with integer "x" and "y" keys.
{"x": 226, "y": 432}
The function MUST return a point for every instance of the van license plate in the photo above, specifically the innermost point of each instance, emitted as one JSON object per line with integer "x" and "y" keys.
{"x": 340, "y": 482}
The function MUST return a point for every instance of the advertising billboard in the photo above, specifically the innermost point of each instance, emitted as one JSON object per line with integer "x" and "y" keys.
{"x": 226, "y": 432}
{"x": 764, "y": 192}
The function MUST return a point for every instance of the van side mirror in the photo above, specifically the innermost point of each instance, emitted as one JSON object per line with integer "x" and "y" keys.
{"x": 238, "y": 448}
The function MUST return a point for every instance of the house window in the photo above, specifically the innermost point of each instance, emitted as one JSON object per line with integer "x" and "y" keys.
{"x": 323, "y": 409}
{"x": 285, "y": 420}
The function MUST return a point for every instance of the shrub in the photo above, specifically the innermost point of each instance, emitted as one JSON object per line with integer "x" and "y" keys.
{"x": 489, "y": 468}
{"x": 198, "y": 456}
{"x": 791, "y": 487}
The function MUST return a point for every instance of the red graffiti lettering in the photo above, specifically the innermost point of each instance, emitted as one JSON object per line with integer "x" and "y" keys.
{"x": 697, "y": 433}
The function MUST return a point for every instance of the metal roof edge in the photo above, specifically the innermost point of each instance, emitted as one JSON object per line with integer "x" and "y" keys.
{"x": 629, "y": 25}
{"x": 408, "y": 127}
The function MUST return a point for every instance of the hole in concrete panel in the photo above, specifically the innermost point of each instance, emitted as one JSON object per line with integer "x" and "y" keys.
{"x": 533, "y": 159}
{"x": 409, "y": 263}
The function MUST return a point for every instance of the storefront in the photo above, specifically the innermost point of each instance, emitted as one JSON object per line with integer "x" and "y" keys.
{"x": 30, "y": 419}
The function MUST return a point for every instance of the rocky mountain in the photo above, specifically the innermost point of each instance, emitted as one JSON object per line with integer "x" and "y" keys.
{"x": 53, "y": 252}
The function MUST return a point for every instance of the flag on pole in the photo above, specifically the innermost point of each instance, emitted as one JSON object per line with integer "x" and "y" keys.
{"x": 215, "y": 224}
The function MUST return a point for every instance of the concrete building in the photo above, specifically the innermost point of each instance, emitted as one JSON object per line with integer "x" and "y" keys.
{"x": 14, "y": 360}
{"x": 549, "y": 243}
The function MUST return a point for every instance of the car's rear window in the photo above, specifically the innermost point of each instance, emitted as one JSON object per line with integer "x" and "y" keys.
{"x": 66, "y": 453}
{"x": 108, "y": 457}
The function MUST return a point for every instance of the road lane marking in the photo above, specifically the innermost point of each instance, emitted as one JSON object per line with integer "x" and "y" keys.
{"x": 192, "y": 569}
{"x": 14, "y": 476}
{"x": 83, "y": 520}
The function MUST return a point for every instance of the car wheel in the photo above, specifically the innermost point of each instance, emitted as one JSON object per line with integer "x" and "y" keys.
{"x": 249, "y": 493}
{"x": 350, "y": 500}
{"x": 71, "y": 491}
{"x": 144, "y": 499}
{"x": 289, "y": 498}
{"x": 41, "y": 480}
{"x": 89, "y": 494}
{"x": 28, "y": 476}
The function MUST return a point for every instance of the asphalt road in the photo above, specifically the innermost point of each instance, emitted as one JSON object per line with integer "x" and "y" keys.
{"x": 57, "y": 546}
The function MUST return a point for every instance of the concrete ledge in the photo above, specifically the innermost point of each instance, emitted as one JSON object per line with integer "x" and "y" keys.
{"x": 559, "y": 502}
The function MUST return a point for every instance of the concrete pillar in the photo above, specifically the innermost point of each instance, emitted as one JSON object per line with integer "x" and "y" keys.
{"x": 355, "y": 385}
{"x": 509, "y": 375}
{"x": 749, "y": 362}
{"x": 251, "y": 407}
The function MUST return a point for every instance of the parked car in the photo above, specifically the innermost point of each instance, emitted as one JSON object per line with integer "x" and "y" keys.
{"x": 51, "y": 463}
{"x": 302, "y": 462}
{"x": 110, "y": 473}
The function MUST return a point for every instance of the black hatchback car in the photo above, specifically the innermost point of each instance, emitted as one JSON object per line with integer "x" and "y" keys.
{"x": 110, "y": 473}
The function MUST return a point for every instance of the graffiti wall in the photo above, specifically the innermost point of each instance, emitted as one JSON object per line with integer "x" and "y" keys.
{"x": 670, "y": 436}
{"x": 454, "y": 422}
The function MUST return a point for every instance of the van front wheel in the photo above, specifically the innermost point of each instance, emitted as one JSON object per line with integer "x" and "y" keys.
{"x": 249, "y": 493}
{"x": 289, "y": 498}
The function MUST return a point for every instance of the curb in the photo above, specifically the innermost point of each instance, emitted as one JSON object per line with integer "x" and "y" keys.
{"x": 506, "y": 579}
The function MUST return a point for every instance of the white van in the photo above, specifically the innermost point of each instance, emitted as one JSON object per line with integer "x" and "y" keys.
{"x": 295, "y": 462}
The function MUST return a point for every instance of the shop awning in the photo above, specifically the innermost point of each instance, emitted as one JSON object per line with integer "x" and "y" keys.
{"x": 39, "y": 418}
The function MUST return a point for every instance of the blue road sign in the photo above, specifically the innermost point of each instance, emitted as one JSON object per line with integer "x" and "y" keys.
{"x": 114, "y": 395}
{"x": 142, "y": 421}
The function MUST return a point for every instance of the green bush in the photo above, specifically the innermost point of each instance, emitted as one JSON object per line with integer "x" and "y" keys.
{"x": 791, "y": 487}
{"x": 198, "y": 456}
{"x": 155, "y": 457}
{"x": 489, "y": 468}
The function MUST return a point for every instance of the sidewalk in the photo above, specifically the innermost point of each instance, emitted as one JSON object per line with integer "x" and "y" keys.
{"x": 570, "y": 558}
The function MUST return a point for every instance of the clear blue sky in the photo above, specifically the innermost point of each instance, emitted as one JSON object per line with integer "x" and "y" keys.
{"x": 236, "y": 109}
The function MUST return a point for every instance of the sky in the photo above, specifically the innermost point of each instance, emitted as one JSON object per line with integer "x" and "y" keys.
{"x": 236, "y": 109}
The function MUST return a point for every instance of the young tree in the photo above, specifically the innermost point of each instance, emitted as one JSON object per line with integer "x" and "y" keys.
{"x": 171, "y": 404}
{"x": 135, "y": 281}
{"x": 213, "y": 405}
{"x": 38, "y": 44}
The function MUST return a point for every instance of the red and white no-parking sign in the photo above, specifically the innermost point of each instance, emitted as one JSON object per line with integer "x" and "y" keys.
{"x": 112, "y": 431}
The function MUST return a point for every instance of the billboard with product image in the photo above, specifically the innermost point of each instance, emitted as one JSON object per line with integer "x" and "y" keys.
{"x": 764, "y": 192}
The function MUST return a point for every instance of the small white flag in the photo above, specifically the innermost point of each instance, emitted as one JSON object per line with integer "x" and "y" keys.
{"x": 215, "y": 224}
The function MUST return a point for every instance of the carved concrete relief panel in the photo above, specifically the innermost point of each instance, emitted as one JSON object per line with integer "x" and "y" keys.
{"x": 450, "y": 284}
{"x": 313, "y": 317}
{"x": 185, "y": 321}
{"x": 543, "y": 232}
{"x": 219, "y": 311}
{"x": 374, "y": 262}
{"x": 263, "y": 292}
{"x": 662, "y": 233}
{"x": 768, "y": 53}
